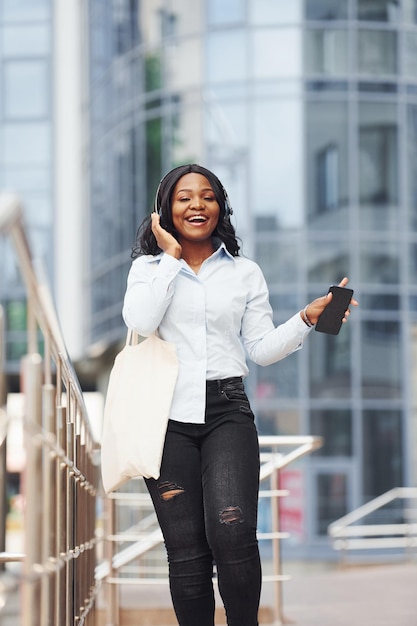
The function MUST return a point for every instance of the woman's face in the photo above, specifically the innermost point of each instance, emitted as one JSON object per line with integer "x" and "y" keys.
{"x": 195, "y": 210}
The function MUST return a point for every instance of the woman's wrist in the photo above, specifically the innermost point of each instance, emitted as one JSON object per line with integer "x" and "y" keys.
{"x": 174, "y": 251}
{"x": 305, "y": 318}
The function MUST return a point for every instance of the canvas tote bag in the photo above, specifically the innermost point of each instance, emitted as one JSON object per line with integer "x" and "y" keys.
{"x": 136, "y": 410}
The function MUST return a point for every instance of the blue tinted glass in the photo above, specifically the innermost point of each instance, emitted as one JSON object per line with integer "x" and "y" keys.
{"x": 326, "y": 9}
{"x": 227, "y": 56}
{"x": 25, "y": 144}
{"x": 381, "y": 368}
{"x": 221, "y": 12}
{"x": 19, "y": 41}
{"x": 25, "y": 10}
{"x": 26, "y": 89}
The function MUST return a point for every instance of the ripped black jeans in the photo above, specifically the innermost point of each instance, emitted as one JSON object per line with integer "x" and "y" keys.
{"x": 206, "y": 500}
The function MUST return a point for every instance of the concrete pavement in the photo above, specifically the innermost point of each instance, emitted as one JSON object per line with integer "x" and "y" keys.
{"x": 316, "y": 595}
{"x": 377, "y": 595}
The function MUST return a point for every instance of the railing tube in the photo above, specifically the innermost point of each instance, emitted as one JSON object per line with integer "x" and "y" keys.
{"x": 32, "y": 485}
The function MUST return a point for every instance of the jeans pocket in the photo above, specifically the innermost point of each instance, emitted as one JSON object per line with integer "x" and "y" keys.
{"x": 235, "y": 392}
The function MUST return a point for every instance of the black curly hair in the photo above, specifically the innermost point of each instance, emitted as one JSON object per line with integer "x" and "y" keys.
{"x": 145, "y": 239}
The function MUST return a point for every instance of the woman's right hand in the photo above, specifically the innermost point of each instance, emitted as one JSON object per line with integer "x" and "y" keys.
{"x": 164, "y": 239}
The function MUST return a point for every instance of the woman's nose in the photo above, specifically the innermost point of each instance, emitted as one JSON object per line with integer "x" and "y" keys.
{"x": 197, "y": 203}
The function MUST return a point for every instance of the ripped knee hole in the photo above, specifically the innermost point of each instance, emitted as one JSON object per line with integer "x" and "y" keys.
{"x": 231, "y": 515}
{"x": 169, "y": 490}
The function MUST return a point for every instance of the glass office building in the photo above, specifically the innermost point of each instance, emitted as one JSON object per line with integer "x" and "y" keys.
{"x": 307, "y": 111}
{"x": 26, "y": 148}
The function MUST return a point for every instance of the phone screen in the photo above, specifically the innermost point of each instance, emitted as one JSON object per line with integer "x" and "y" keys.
{"x": 330, "y": 321}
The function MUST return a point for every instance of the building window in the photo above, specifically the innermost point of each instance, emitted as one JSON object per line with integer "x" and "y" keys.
{"x": 378, "y": 10}
{"x": 377, "y": 52}
{"x": 326, "y": 52}
{"x": 230, "y": 12}
{"x": 335, "y": 426}
{"x": 382, "y": 452}
{"x": 326, "y": 9}
{"x": 377, "y": 164}
{"x": 332, "y": 492}
{"x": 328, "y": 179}
{"x": 25, "y": 89}
{"x": 382, "y": 376}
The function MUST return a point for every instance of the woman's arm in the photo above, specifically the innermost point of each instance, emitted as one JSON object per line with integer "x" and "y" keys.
{"x": 150, "y": 288}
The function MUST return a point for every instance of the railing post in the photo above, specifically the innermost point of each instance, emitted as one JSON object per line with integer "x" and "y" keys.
{"x": 3, "y": 439}
{"x": 47, "y": 496}
{"x": 112, "y": 606}
{"x": 61, "y": 525}
{"x": 32, "y": 489}
{"x": 276, "y": 548}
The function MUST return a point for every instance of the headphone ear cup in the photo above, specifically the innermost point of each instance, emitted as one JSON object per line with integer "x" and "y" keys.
{"x": 228, "y": 211}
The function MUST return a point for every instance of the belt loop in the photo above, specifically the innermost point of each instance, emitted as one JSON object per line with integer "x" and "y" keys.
{"x": 219, "y": 386}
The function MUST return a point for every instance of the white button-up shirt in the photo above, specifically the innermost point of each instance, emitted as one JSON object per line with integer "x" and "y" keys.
{"x": 212, "y": 317}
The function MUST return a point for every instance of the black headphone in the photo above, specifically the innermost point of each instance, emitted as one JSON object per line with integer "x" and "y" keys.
{"x": 228, "y": 211}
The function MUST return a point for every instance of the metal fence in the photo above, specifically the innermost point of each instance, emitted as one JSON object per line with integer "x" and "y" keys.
{"x": 133, "y": 539}
{"x": 385, "y": 524}
{"x": 56, "y": 576}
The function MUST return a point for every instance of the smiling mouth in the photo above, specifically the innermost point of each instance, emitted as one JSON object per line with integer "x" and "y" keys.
{"x": 197, "y": 219}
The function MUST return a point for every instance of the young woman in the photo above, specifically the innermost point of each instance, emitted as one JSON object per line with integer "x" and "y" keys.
{"x": 188, "y": 281}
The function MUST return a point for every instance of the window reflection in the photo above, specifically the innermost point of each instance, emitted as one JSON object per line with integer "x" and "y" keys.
{"x": 380, "y": 355}
{"x": 22, "y": 41}
{"x": 221, "y": 12}
{"x": 410, "y": 61}
{"x": 379, "y": 10}
{"x": 335, "y": 426}
{"x": 410, "y": 10}
{"x": 279, "y": 380}
{"x": 180, "y": 75}
{"x": 26, "y": 144}
{"x": 275, "y": 420}
{"x": 380, "y": 302}
{"x": 38, "y": 209}
{"x": 326, "y": 52}
{"x": 26, "y": 178}
{"x": 330, "y": 364}
{"x": 326, "y": 9}
{"x": 378, "y": 166}
{"x": 377, "y": 52}
{"x": 281, "y": 138}
{"x": 379, "y": 262}
{"x": 286, "y": 62}
{"x": 25, "y": 89}
{"x": 275, "y": 11}
{"x": 25, "y": 10}
{"x": 278, "y": 260}
{"x": 411, "y": 135}
{"x": 327, "y": 261}
{"x": 226, "y": 58}
{"x": 382, "y": 453}
{"x": 332, "y": 493}
{"x": 327, "y": 165}
{"x": 412, "y": 263}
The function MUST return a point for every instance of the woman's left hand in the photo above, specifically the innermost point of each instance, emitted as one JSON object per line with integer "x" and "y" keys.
{"x": 316, "y": 308}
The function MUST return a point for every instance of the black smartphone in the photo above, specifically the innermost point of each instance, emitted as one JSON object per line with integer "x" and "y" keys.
{"x": 330, "y": 321}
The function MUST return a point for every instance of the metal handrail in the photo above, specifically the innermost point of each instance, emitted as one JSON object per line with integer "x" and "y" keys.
{"x": 346, "y": 534}
{"x": 57, "y": 574}
{"x": 273, "y": 460}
